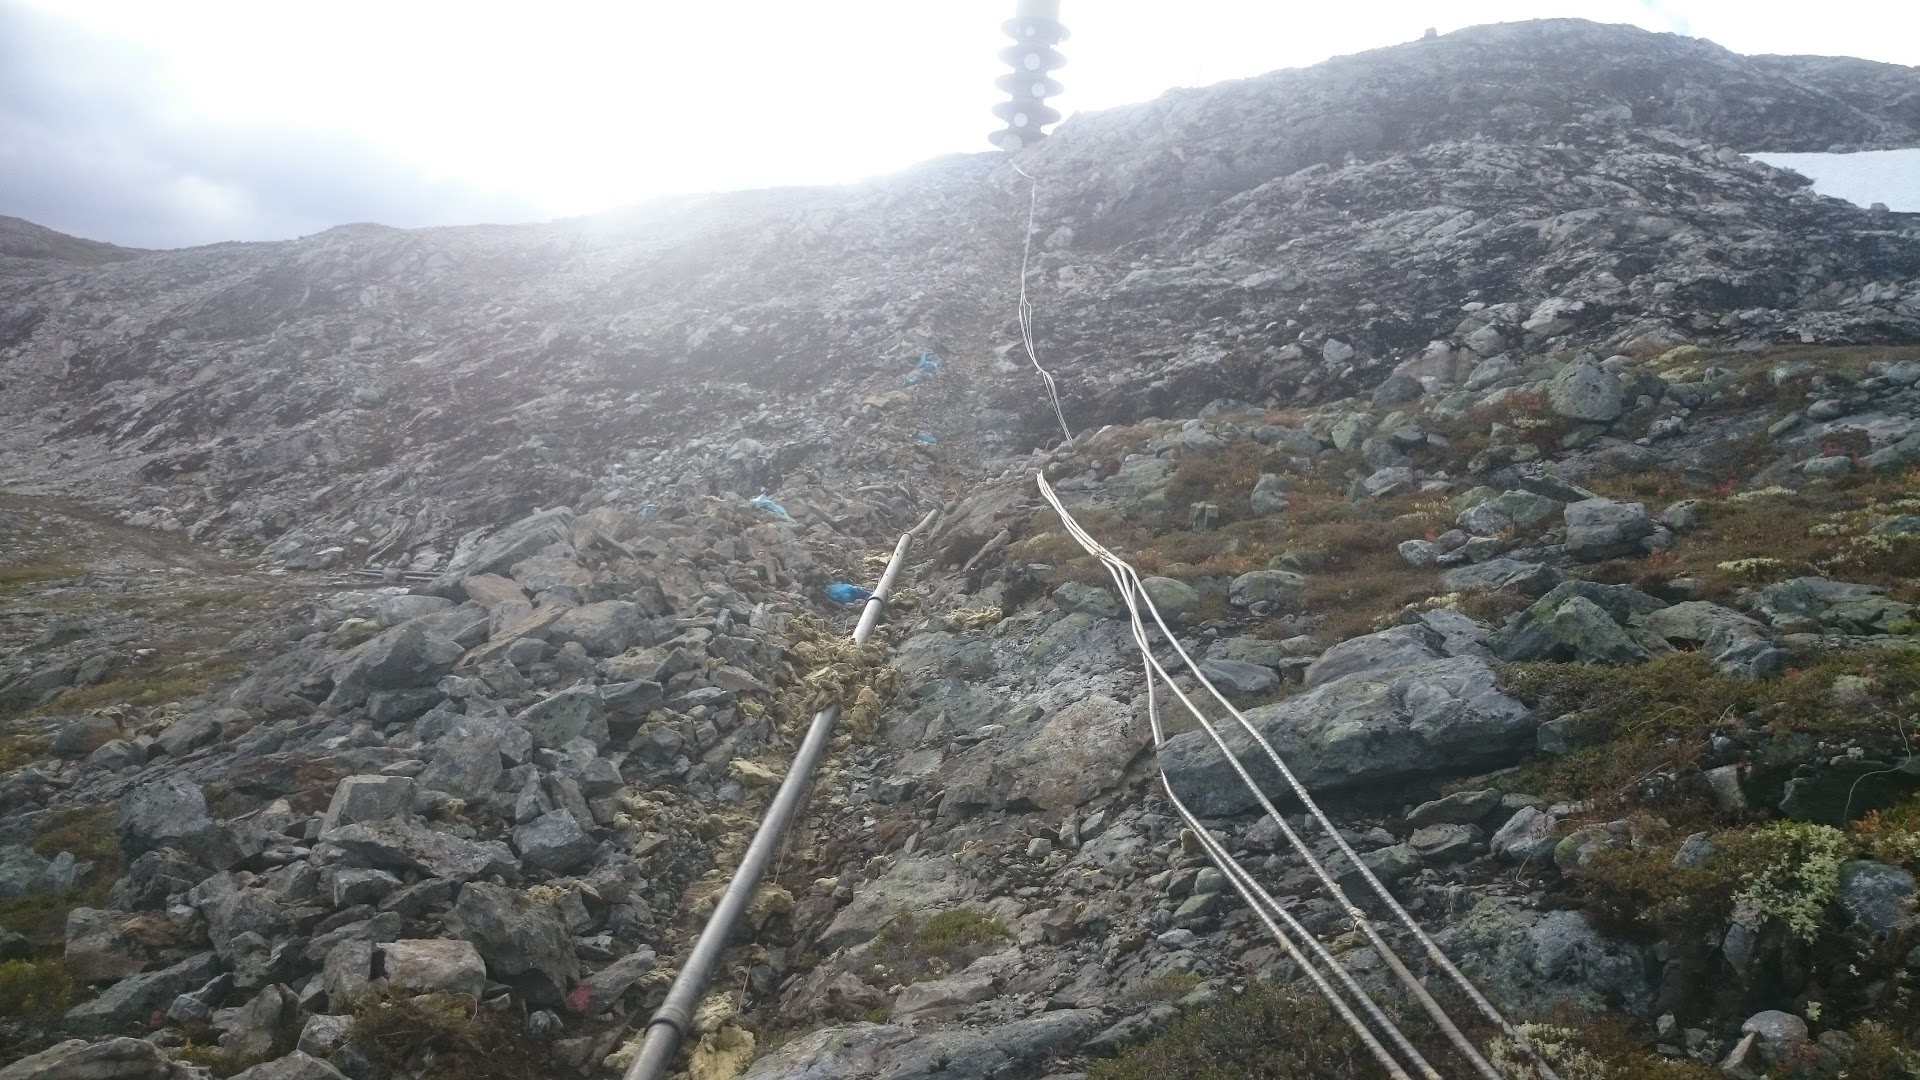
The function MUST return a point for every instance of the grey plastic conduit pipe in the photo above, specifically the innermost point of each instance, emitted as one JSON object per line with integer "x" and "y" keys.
{"x": 674, "y": 1017}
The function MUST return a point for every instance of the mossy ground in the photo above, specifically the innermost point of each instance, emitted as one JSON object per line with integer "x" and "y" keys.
{"x": 912, "y": 947}
{"x": 42, "y": 917}
{"x": 150, "y": 686}
{"x": 1658, "y": 717}
{"x": 446, "y": 1037}
{"x": 34, "y": 988}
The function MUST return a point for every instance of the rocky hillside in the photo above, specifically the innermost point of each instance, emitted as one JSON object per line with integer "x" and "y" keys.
{"x": 1536, "y": 472}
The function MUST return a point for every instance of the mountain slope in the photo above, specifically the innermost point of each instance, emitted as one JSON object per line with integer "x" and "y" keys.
{"x": 1535, "y": 471}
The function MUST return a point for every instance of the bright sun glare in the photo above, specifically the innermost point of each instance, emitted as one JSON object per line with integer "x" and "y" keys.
{"x": 578, "y": 107}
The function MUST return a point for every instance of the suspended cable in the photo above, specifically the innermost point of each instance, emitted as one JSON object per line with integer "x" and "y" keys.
{"x": 1026, "y": 308}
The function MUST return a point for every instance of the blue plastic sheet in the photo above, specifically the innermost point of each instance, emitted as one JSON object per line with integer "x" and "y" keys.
{"x": 765, "y": 502}
{"x": 841, "y": 592}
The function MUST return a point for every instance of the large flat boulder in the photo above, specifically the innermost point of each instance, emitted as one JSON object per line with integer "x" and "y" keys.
{"x": 1416, "y": 718}
{"x": 77, "y": 1059}
{"x": 607, "y": 628}
{"x": 405, "y": 847}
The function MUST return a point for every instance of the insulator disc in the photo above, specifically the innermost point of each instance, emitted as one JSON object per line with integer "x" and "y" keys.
{"x": 1035, "y": 31}
{"x": 1023, "y": 84}
{"x": 1036, "y": 113}
{"x": 1032, "y": 58}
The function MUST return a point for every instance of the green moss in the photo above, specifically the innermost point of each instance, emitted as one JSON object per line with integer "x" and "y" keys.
{"x": 87, "y": 832}
{"x": 147, "y": 688}
{"x": 222, "y": 1062}
{"x": 911, "y": 948}
{"x": 34, "y": 988}
{"x": 1658, "y": 715}
{"x": 1168, "y": 987}
{"x": 1880, "y": 1054}
{"x": 18, "y": 751}
{"x": 42, "y": 917}
{"x": 943, "y": 934}
{"x": 19, "y": 577}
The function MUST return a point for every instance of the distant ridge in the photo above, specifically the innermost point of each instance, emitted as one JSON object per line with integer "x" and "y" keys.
{"x": 22, "y": 239}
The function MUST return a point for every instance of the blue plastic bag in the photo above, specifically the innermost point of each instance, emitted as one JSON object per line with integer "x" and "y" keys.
{"x": 927, "y": 437}
{"x": 764, "y": 502}
{"x": 929, "y": 363}
{"x": 841, "y": 592}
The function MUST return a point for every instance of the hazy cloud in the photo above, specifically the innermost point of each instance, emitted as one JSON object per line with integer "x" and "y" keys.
{"x": 95, "y": 141}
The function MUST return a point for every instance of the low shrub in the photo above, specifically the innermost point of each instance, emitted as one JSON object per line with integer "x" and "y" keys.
{"x": 445, "y": 1037}
{"x": 34, "y": 988}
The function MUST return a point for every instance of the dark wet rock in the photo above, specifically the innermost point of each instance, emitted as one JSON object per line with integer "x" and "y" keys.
{"x": 523, "y": 941}
{"x": 128, "y": 1002}
{"x": 369, "y": 799}
{"x": 407, "y": 656}
{"x": 1528, "y": 579}
{"x": 173, "y": 813}
{"x": 554, "y": 841}
{"x": 1096, "y": 600}
{"x": 1604, "y": 529}
{"x": 1878, "y": 896}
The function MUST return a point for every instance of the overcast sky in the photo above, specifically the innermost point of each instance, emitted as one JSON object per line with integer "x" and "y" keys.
{"x": 194, "y": 121}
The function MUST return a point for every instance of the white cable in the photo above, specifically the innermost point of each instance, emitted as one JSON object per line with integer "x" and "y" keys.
{"x": 1124, "y": 573}
{"x": 1131, "y": 582}
{"x": 1130, "y": 585}
{"x": 1247, "y": 886}
{"x": 1026, "y": 308}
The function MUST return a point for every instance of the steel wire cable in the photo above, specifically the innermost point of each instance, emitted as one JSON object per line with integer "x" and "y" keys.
{"x": 1129, "y": 583}
{"x": 1245, "y": 883}
{"x": 1026, "y": 307}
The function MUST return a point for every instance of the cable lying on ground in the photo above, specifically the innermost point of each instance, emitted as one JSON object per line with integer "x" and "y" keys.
{"x": 1128, "y": 582}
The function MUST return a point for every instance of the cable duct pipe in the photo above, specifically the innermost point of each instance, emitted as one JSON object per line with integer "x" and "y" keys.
{"x": 672, "y": 1020}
